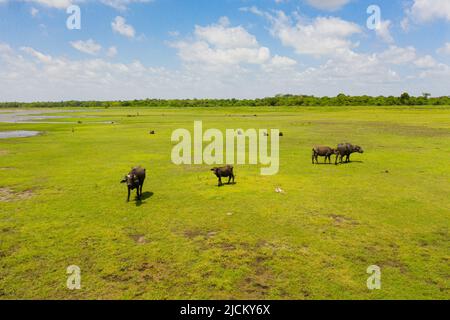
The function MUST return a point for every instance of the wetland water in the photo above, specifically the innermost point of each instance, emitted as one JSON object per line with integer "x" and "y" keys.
{"x": 18, "y": 134}
{"x": 32, "y": 116}
{"x": 26, "y": 116}
{"x": 29, "y": 116}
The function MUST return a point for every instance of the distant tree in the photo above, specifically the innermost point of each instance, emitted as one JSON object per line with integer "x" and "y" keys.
{"x": 404, "y": 98}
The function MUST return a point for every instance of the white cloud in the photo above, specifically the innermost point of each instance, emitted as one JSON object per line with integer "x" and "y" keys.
{"x": 427, "y": 10}
{"x": 282, "y": 62}
{"x": 38, "y": 55}
{"x": 38, "y": 76}
{"x": 201, "y": 52}
{"x": 34, "y": 12}
{"x": 426, "y": 62}
{"x": 279, "y": 63}
{"x": 445, "y": 50}
{"x": 122, "y": 4}
{"x": 330, "y": 5}
{"x": 322, "y": 36}
{"x": 404, "y": 24}
{"x": 210, "y": 71}
{"x": 120, "y": 26}
{"x": 383, "y": 31}
{"x": 89, "y": 46}
{"x": 220, "y": 46}
{"x": 422, "y": 11}
{"x": 59, "y": 4}
{"x": 397, "y": 55}
{"x": 222, "y": 36}
{"x": 174, "y": 33}
{"x": 63, "y": 4}
{"x": 112, "y": 52}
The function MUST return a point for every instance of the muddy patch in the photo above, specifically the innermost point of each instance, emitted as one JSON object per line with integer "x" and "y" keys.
{"x": 341, "y": 221}
{"x": 197, "y": 233}
{"x": 139, "y": 238}
{"x": 9, "y": 195}
{"x": 18, "y": 134}
{"x": 257, "y": 283}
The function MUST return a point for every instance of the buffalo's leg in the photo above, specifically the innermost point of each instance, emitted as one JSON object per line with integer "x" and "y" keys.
{"x": 129, "y": 192}
{"x": 220, "y": 181}
{"x": 229, "y": 179}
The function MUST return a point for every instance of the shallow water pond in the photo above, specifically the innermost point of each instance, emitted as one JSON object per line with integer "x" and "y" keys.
{"x": 18, "y": 134}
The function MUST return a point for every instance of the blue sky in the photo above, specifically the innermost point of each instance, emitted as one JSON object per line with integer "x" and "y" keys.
{"x": 129, "y": 49}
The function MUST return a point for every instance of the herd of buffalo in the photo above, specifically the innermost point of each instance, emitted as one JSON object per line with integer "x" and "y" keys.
{"x": 136, "y": 177}
{"x": 342, "y": 150}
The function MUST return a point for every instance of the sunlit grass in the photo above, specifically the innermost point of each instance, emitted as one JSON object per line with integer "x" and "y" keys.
{"x": 191, "y": 239}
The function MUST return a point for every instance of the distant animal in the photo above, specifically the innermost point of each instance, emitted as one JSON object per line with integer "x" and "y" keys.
{"x": 266, "y": 134}
{"x": 322, "y": 151}
{"x": 226, "y": 171}
{"x": 135, "y": 180}
{"x": 345, "y": 150}
{"x": 281, "y": 134}
{"x": 152, "y": 132}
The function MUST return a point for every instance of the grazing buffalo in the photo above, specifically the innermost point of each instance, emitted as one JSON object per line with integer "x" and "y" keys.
{"x": 226, "y": 171}
{"x": 345, "y": 150}
{"x": 135, "y": 180}
{"x": 322, "y": 151}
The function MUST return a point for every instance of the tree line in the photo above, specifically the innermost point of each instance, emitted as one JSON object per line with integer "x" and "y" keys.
{"x": 279, "y": 100}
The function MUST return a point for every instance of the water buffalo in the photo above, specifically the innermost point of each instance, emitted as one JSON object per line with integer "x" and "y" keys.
{"x": 345, "y": 150}
{"x": 135, "y": 180}
{"x": 322, "y": 151}
{"x": 226, "y": 171}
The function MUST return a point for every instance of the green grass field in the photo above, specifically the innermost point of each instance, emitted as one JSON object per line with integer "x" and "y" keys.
{"x": 61, "y": 204}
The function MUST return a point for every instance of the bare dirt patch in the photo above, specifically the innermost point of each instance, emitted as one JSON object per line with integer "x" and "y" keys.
{"x": 8, "y": 195}
{"x": 194, "y": 233}
{"x": 139, "y": 238}
{"x": 340, "y": 220}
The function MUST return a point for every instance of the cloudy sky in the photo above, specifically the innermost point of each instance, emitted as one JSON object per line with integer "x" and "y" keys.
{"x": 132, "y": 49}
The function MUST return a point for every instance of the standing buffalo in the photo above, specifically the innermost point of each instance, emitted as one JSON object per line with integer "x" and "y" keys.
{"x": 135, "y": 180}
{"x": 321, "y": 151}
{"x": 345, "y": 150}
{"x": 226, "y": 171}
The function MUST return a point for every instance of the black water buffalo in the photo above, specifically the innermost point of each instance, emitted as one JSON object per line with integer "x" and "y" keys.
{"x": 322, "y": 151}
{"x": 135, "y": 180}
{"x": 345, "y": 150}
{"x": 226, "y": 171}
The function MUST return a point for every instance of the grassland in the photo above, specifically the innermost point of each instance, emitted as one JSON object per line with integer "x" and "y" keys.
{"x": 61, "y": 204}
